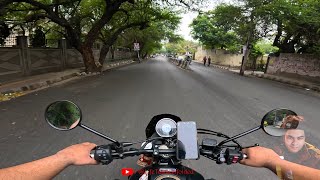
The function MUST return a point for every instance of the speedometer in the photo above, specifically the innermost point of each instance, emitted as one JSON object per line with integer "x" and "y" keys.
{"x": 166, "y": 127}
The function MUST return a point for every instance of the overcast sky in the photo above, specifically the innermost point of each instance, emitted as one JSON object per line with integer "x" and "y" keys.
{"x": 187, "y": 18}
{"x": 184, "y": 28}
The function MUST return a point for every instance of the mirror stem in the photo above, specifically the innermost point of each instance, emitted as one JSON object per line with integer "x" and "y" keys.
{"x": 239, "y": 135}
{"x": 99, "y": 134}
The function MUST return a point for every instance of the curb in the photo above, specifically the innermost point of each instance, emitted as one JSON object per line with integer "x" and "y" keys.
{"x": 286, "y": 81}
{"x": 278, "y": 79}
{"x": 55, "y": 80}
{"x": 38, "y": 85}
{"x": 220, "y": 67}
{"x": 213, "y": 65}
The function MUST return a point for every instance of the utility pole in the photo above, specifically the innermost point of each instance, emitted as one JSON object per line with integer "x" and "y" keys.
{"x": 246, "y": 52}
{"x": 248, "y": 46}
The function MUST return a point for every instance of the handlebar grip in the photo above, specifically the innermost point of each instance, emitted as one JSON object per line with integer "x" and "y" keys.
{"x": 102, "y": 154}
{"x": 233, "y": 156}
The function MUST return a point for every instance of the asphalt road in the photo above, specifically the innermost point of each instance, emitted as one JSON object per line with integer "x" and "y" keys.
{"x": 121, "y": 102}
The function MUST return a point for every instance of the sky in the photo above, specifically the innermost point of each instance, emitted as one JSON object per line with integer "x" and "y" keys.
{"x": 184, "y": 29}
{"x": 187, "y": 18}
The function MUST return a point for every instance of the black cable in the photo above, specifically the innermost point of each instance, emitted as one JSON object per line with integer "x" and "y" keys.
{"x": 219, "y": 135}
{"x": 141, "y": 141}
{"x": 200, "y": 129}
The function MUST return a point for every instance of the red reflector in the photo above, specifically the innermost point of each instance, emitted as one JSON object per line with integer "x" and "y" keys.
{"x": 235, "y": 159}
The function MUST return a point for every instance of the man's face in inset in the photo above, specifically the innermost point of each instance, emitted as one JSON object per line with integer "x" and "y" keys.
{"x": 294, "y": 140}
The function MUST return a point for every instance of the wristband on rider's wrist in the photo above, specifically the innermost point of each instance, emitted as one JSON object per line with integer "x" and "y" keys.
{"x": 278, "y": 171}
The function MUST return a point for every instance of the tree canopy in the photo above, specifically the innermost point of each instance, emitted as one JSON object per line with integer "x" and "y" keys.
{"x": 84, "y": 22}
{"x": 294, "y": 26}
{"x": 181, "y": 47}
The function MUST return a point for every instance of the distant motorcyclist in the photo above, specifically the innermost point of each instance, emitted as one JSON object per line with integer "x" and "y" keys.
{"x": 189, "y": 59}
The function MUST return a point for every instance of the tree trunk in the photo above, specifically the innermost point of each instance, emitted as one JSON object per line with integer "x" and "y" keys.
{"x": 103, "y": 53}
{"x": 287, "y": 47}
{"x": 112, "y": 52}
{"x": 276, "y": 41}
{"x": 245, "y": 57}
{"x": 145, "y": 55}
{"x": 246, "y": 54}
{"x": 88, "y": 60}
{"x": 254, "y": 64}
{"x": 266, "y": 69}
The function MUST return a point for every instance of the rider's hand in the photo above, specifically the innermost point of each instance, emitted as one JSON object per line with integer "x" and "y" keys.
{"x": 291, "y": 118}
{"x": 259, "y": 157}
{"x": 78, "y": 154}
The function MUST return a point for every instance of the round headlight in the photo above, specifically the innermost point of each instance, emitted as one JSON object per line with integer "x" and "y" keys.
{"x": 166, "y": 127}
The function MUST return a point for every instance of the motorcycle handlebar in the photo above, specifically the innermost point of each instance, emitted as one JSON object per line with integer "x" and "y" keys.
{"x": 143, "y": 151}
{"x": 105, "y": 155}
{"x": 95, "y": 152}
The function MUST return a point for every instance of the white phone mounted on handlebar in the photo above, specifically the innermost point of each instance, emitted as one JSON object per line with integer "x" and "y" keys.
{"x": 187, "y": 142}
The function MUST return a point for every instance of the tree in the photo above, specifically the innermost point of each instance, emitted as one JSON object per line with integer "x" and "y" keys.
{"x": 255, "y": 53}
{"x": 39, "y": 39}
{"x": 213, "y": 32}
{"x": 297, "y": 25}
{"x": 4, "y": 32}
{"x": 150, "y": 38}
{"x": 139, "y": 20}
{"x": 266, "y": 47}
{"x": 71, "y": 15}
{"x": 82, "y": 26}
{"x": 229, "y": 26}
{"x": 181, "y": 47}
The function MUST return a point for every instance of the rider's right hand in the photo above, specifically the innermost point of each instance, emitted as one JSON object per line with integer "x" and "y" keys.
{"x": 259, "y": 157}
{"x": 78, "y": 154}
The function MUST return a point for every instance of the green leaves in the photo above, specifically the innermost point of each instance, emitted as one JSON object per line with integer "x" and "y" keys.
{"x": 212, "y": 31}
{"x": 142, "y": 22}
{"x": 266, "y": 47}
{"x": 181, "y": 47}
{"x": 294, "y": 25}
{"x": 297, "y": 24}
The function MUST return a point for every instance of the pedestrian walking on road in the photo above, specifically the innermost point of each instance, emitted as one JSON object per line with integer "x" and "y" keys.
{"x": 204, "y": 60}
{"x": 209, "y": 61}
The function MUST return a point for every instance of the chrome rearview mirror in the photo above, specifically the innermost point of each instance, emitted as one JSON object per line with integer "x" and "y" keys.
{"x": 277, "y": 121}
{"x": 66, "y": 115}
{"x": 63, "y": 115}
